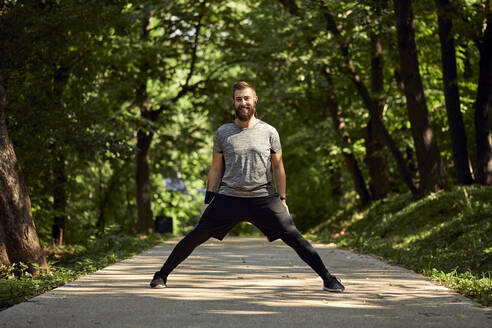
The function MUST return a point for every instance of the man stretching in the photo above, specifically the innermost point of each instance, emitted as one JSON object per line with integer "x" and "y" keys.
{"x": 244, "y": 152}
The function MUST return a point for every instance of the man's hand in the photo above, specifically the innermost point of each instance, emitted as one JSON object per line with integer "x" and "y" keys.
{"x": 284, "y": 202}
{"x": 203, "y": 209}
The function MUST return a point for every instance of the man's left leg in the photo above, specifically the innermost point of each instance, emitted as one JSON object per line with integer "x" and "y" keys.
{"x": 305, "y": 251}
{"x": 309, "y": 255}
{"x": 275, "y": 222}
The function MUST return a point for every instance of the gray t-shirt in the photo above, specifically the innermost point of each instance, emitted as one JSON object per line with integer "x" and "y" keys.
{"x": 247, "y": 158}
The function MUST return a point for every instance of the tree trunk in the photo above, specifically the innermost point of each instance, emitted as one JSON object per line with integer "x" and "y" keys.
{"x": 483, "y": 133}
{"x": 144, "y": 139}
{"x": 60, "y": 78}
{"x": 4, "y": 256}
{"x": 336, "y": 180}
{"x": 102, "y": 197}
{"x": 467, "y": 66}
{"x": 384, "y": 133}
{"x": 105, "y": 195}
{"x": 59, "y": 196}
{"x": 360, "y": 185}
{"x": 376, "y": 163}
{"x": 145, "y": 216}
{"x": 431, "y": 169}
{"x": 19, "y": 241}
{"x": 349, "y": 158}
{"x": 451, "y": 94}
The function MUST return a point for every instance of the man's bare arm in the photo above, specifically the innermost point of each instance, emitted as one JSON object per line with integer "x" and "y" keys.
{"x": 215, "y": 173}
{"x": 279, "y": 176}
{"x": 279, "y": 173}
{"x": 214, "y": 176}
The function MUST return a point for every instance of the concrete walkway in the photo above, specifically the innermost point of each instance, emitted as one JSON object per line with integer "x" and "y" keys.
{"x": 248, "y": 282}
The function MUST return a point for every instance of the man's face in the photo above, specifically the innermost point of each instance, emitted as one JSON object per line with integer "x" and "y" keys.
{"x": 244, "y": 103}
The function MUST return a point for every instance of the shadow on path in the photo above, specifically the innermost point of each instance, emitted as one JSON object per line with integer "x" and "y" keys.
{"x": 248, "y": 282}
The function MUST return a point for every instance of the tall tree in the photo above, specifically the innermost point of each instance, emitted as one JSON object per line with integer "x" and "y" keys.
{"x": 19, "y": 240}
{"x": 144, "y": 138}
{"x": 374, "y": 111}
{"x": 50, "y": 74}
{"x": 375, "y": 160}
{"x": 483, "y": 132}
{"x": 59, "y": 176}
{"x": 150, "y": 113}
{"x": 452, "y": 94}
{"x": 59, "y": 193}
{"x": 355, "y": 77}
{"x": 431, "y": 169}
{"x": 345, "y": 142}
{"x": 169, "y": 54}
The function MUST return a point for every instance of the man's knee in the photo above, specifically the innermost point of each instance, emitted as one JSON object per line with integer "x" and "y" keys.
{"x": 196, "y": 236}
{"x": 292, "y": 235}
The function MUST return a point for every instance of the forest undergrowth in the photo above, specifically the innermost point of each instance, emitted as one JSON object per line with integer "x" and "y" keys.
{"x": 67, "y": 263}
{"x": 446, "y": 236}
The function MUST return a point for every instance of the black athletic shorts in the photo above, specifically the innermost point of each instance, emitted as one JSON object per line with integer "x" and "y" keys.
{"x": 268, "y": 214}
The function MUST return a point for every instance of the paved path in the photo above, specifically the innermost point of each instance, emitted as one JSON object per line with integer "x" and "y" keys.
{"x": 248, "y": 282}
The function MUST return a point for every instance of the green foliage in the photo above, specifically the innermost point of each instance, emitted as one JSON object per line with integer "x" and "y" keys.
{"x": 447, "y": 235}
{"x": 50, "y": 61}
{"x": 17, "y": 285}
{"x": 86, "y": 71}
{"x": 476, "y": 287}
{"x": 72, "y": 71}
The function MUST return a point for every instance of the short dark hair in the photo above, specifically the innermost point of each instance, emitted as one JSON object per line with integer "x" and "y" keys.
{"x": 240, "y": 86}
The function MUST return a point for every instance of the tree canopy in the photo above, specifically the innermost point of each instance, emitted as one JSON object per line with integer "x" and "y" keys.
{"x": 107, "y": 99}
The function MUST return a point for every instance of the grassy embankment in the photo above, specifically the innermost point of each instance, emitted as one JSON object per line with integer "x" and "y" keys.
{"x": 446, "y": 236}
{"x": 69, "y": 263}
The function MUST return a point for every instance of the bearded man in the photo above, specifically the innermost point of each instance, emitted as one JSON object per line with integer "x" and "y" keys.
{"x": 239, "y": 188}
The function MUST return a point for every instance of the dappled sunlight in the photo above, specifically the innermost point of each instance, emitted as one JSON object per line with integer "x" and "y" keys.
{"x": 282, "y": 280}
{"x": 229, "y": 312}
{"x": 428, "y": 137}
{"x": 242, "y": 278}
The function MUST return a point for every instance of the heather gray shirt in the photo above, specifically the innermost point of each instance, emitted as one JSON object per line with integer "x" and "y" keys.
{"x": 247, "y": 158}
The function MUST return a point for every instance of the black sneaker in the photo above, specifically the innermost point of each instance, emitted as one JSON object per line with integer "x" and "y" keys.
{"x": 333, "y": 284}
{"x": 158, "y": 281}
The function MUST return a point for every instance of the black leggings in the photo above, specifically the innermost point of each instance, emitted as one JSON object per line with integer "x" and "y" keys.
{"x": 269, "y": 215}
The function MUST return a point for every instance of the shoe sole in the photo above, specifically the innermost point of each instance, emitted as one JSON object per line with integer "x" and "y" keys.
{"x": 158, "y": 286}
{"x": 333, "y": 290}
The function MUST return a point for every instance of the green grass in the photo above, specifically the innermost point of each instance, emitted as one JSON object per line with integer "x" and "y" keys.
{"x": 446, "y": 236}
{"x": 69, "y": 263}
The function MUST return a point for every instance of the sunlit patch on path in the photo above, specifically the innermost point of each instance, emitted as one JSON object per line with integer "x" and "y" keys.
{"x": 248, "y": 282}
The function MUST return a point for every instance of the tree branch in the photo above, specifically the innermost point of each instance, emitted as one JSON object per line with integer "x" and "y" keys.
{"x": 187, "y": 88}
{"x": 354, "y": 76}
{"x": 194, "y": 50}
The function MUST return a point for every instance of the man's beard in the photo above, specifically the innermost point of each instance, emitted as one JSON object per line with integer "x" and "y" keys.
{"x": 245, "y": 112}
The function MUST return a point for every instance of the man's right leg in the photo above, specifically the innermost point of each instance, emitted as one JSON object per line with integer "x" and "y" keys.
{"x": 180, "y": 252}
{"x": 220, "y": 216}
